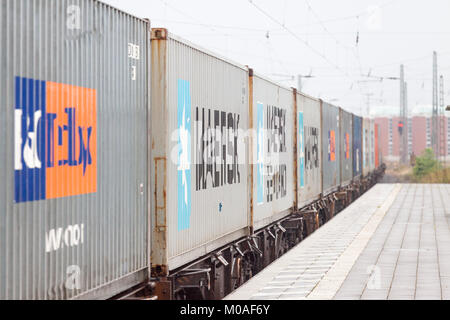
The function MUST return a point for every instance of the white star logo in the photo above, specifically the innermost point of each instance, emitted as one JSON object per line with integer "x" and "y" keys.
{"x": 184, "y": 163}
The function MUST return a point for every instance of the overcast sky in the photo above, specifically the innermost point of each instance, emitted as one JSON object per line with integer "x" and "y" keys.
{"x": 338, "y": 42}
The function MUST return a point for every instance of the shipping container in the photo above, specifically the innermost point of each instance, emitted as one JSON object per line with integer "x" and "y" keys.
{"x": 331, "y": 178}
{"x": 366, "y": 147}
{"x": 372, "y": 145}
{"x": 273, "y": 112}
{"x": 384, "y": 134}
{"x": 346, "y": 142}
{"x": 73, "y": 150}
{"x": 309, "y": 150}
{"x": 357, "y": 147}
{"x": 200, "y": 107}
{"x": 380, "y": 149}
{"x": 377, "y": 146}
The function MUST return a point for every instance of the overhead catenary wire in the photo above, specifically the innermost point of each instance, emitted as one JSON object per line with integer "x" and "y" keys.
{"x": 349, "y": 17}
{"x": 320, "y": 22}
{"x": 354, "y": 16}
{"x": 354, "y": 51}
{"x": 283, "y": 26}
{"x": 294, "y": 35}
{"x": 192, "y": 18}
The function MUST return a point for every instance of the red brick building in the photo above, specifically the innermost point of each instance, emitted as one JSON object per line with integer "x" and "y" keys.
{"x": 419, "y": 131}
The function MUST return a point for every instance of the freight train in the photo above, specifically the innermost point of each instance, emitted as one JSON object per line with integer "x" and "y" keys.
{"x": 133, "y": 162}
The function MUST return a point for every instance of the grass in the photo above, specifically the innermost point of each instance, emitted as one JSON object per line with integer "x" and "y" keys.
{"x": 428, "y": 170}
{"x": 435, "y": 176}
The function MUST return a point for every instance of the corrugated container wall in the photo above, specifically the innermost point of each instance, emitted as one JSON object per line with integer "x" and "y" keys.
{"x": 346, "y": 141}
{"x": 380, "y": 150}
{"x": 273, "y": 151}
{"x": 199, "y": 123}
{"x": 372, "y": 145}
{"x": 73, "y": 156}
{"x": 330, "y": 147}
{"x": 377, "y": 146}
{"x": 357, "y": 147}
{"x": 309, "y": 149}
{"x": 384, "y": 134}
{"x": 366, "y": 146}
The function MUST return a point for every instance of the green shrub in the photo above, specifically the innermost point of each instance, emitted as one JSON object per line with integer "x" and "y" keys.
{"x": 425, "y": 164}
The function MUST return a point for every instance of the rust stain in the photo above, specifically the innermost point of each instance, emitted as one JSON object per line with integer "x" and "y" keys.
{"x": 159, "y": 34}
{"x": 160, "y": 205}
{"x": 251, "y": 140}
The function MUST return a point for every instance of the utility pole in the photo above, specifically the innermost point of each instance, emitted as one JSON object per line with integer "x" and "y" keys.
{"x": 368, "y": 95}
{"x": 292, "y": 78}
{"x": 300, "y": 82}
{"x": 442, "y": 137}
{"x": 406, "y": 127}
{"x": 403, "y": 130}
{"x": 435, "y": 129}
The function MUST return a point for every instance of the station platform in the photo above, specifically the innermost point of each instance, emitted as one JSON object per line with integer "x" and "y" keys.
{"x": 393, "y": 243}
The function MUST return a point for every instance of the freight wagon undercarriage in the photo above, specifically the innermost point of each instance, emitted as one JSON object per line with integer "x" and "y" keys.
{"x": 221, "y": 272}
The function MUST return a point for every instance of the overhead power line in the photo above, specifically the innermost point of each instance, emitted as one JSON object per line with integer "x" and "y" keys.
{"x": 293, "y": 34}
{"x": 354, "y": 51}
{"x": 192, "y": 18}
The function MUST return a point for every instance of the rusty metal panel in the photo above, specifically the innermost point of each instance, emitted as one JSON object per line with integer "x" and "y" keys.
{"x": 309, "y": 150}
{"x": 330, "y": 147}
{"x": 346, "y": 143}
{"x": 273, "y": 151}
{"x": 200, "y": 118}
{"x": 366, "y": 146}
{"x": 73, "y": 155}
{"x": 357, "y": 147}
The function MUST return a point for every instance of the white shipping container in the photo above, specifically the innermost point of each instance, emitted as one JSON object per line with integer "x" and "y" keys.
{"x": 366, "y": 146}
{"x": 199, "y": 169}
{"x": 273, "y": 151}
{"x": 309, "y": 150}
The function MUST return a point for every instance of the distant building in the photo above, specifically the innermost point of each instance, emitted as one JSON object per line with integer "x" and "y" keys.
{"x": 419, "y": 130}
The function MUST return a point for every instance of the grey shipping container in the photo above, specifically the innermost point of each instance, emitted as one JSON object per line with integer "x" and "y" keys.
{"x": 273, "y": 151}
{"x": 372, "y": 145}
{"x": 309, "y": 150}
{"x": 366, "y": 146}
{"x": 378, "y": 154}
{"x": 199, "y": 165}
{"x": 331, "y": 148}
{"x": 73, "y": 155}
{"x": 346, "y": 143}
{"x": 357, "y": 147}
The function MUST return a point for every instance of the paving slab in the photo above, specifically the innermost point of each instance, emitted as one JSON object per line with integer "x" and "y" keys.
{"x": 392, "y": 243}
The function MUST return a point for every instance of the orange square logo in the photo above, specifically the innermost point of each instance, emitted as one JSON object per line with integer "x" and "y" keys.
{"x": 331, "y": 146}
{"x": 55, "y": 140}
{"x": 71, "y": 147}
